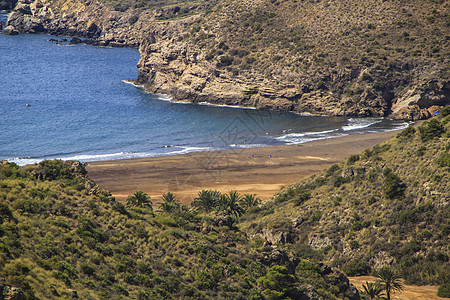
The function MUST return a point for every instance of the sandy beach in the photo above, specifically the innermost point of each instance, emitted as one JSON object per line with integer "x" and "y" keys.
{"x": 262, "y": 171}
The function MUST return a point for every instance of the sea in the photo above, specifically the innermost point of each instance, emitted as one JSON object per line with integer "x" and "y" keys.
{"x": 74, "y": 102}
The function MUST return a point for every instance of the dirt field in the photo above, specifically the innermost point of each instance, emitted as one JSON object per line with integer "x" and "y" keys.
{"x": 410, "y": 292}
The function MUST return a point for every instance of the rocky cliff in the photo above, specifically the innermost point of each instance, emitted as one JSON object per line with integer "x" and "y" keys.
{"x": 377, "y": 58}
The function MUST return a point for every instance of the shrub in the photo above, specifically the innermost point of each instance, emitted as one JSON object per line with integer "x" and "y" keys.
{"x": 87, "y": 269}
{"x": 445, "y": 111}
{"x": 133, "y": 20}
{"x": 444, "y": 160}
{"x": 340, "y": 181}
{"x": 205, "y": 280}
{"x": 225, "y": 61}
{"x": 223, "y": 46}
{"x": 356, "y": 267}
{"x": 393, "y": 186}
{"x": 301, "y": 197}
{"x": 278, "y": 283}
{"x": 11, "y": 170}
{"x": 331, "y": 170}
{"x": 5, "y": 212}
{"x": 352, "y": 159}
{"x": 55, "y": 169}
{"x": 430, "y": 130}
{"x": 306, "y": 268}
{"x": 444, "y": 290}
{"x": 372, "y": 200}
{"x": 421, "y": 151}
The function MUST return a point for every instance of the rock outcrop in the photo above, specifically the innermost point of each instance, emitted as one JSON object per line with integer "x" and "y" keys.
{"x": 8, "y": 292}
{"x": 308, "y": 61}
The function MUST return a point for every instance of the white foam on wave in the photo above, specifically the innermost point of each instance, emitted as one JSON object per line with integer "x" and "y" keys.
{"x": 290, "y": 136}
{"x": 306, "y": 139}
{"x": 185, "y": 150}
{"x": 168, "y": 98}
{"x": 355, "y": 124}
{"x": 224, "y": 105}
{"x": 246, "y": 146}
{"x": 110, "y": 156}
{"x": 141, "y": 86}
{"x": 81, "y": 157}
{"x": 400, "y": 126}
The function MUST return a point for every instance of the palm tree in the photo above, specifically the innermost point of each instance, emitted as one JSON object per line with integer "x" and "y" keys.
{"x": 389, "y": 281}
{"x": 249, "y": 200}
{"x": 230, "y": 204}
{"x": 373, "y": 289}
{"x": 139, "y": 199}
{"x": 206, "y": 200}
{"x": 170, "y": 203}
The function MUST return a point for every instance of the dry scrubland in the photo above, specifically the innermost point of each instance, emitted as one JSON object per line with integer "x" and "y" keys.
{"x": 63, "y": 236}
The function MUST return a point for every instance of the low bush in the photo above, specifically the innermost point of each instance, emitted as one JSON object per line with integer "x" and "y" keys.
{"x": 444, "y": 290}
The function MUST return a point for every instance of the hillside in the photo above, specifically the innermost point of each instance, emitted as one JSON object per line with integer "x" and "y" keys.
{"x": 63, "y": 237}
{"x": 371, "y": 58}
{"x": 387, "y": 206}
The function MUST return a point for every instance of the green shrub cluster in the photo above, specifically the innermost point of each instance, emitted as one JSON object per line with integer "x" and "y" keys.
{"x": 388, "y": 204}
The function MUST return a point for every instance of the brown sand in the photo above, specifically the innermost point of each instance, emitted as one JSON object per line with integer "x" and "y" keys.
{"x": 257, "y": 170}
{"x": 410, "y": 292}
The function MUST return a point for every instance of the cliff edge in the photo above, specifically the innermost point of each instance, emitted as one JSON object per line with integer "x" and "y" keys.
{"x": 377, "y": 58}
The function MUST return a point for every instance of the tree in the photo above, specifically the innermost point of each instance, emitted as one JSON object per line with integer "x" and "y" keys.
{"x": 249, "y": 201}
{"x": 393, "y": 186}
{"x": 373, "y": 289}
{"x": 139, "y": 199}
{"x": 430, "y": 130}
{"x": 206, "y": 200}
{"x": 390, "y": 281}
{"x": 230, "y": 204}
{"x": 278, "y": 283}
{"x": 170, "y": 203}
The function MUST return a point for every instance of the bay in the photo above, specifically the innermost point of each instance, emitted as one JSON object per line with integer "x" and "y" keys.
{"x": 72, "y": 102}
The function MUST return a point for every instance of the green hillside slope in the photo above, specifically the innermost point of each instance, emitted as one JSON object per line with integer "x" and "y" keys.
{"x": 62, "y": 237}
{"x": 388, "y": 206}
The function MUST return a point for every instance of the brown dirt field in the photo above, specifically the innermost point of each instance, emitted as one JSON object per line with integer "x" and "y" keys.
{"x": 256, "y": 170}
{"x": 410, "y": 292}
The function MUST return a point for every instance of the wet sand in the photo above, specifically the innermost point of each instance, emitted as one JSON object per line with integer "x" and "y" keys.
{"x": 262, "y": 171}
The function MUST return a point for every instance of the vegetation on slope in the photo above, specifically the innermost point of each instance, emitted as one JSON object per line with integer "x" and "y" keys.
{"x": 388, "y": 206}
{"x": 363, "y": 58}
{"x": 62, "y": 237}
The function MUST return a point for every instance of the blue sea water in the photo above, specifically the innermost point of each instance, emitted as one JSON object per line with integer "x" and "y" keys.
{"x": 80, "y": 107}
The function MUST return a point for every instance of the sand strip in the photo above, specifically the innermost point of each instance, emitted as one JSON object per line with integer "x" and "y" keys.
{"x": 257, "y": 170}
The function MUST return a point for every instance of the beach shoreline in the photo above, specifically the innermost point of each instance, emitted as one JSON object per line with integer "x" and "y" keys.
{"x": 262, "y": 170}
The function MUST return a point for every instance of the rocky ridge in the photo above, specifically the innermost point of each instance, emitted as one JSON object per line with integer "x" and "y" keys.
{"x": 327, "y": 57}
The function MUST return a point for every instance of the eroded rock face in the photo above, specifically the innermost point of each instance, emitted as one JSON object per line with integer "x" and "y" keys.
{"x": 276, "y": 236}
{"x": 188, "y": 65}
{"x": 8, "y": 292}
{"x": 9, "y": 30}
{"x": 317, "y": 241}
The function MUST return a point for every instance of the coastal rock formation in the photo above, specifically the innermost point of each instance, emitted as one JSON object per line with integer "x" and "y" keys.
{"x": 299, "y": 57}
{"x": 9, "y": 30}
{"x": 7, "y": 4}
{"x": 8, "y": 292}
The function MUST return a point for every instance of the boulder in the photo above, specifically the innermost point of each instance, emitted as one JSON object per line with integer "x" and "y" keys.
{"x": 77, "y": 167}
{"x": 9, "y": 292}
{"x": 276, "y": 236}
{"x": 75, "y": 41}
{"x": 10, "y": 30}
{"x": 317, "y": 242}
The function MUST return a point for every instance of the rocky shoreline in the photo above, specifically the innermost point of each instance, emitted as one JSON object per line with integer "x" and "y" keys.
{"x": 195, "y": 59}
